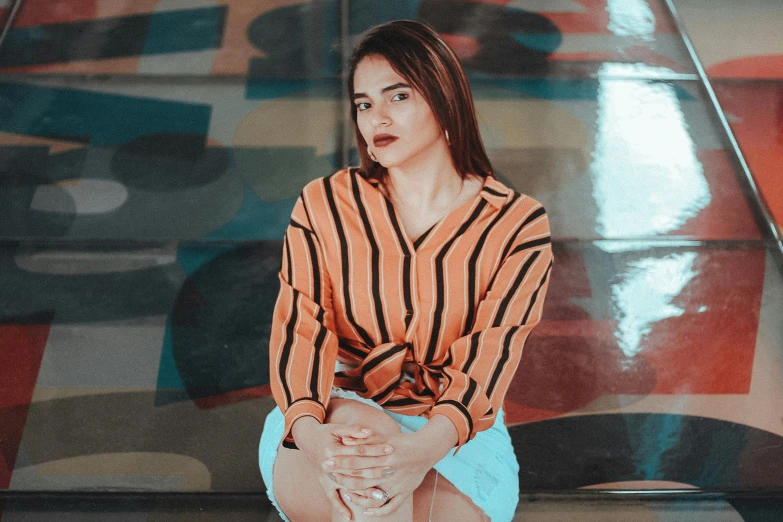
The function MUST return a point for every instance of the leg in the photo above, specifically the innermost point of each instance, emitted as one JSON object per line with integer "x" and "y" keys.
{"x": 295, "y": 481}
{"x": 450, "y": 503}
{"x": 293, "y": 474}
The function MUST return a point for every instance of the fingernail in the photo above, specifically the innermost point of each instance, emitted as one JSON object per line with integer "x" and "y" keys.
{"x": 329, "y": 463}
{"x": 347, "y": 497}
{"x": 369, "y": 513}
{"x": 377, "y": 495}
{"x": 365, "y": 430}
{"x": 388, "y": 449}
{"x": 387, "y": 472}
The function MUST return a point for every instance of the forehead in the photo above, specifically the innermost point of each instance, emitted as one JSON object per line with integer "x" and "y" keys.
{"x": 373, "y": 73}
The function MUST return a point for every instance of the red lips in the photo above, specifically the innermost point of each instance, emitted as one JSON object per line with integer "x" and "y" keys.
{"x": 381, "y": 140}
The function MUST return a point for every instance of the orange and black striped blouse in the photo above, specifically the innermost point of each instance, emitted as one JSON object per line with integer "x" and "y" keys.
{"x": 424, "y": 327}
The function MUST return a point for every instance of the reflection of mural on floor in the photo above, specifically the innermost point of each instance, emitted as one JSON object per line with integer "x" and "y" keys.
{"x": 622, "y": 321}
{"x": 187, "y": 170}
{"x": 735, "y": 40}
{"x": 707, "y": 453}
{"x": 755, "y": 113}
{"x": 294, "y": 38}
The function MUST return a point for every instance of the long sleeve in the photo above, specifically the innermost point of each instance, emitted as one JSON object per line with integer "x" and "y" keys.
{"x": 302, "y": 345}
{"x": 480, "y": 365}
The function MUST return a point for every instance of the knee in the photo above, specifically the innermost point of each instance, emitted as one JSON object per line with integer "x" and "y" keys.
{"x": 348, "y": 411}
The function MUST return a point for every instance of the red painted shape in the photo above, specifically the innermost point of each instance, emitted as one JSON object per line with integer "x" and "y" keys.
{"x": 224, "y": 399}
{"x": 463, "y": 46}
{"x": 42, "y": 12}
{"x": 755, "y": 113}
{"x": 572, "y": 359}
{"x": 711, "y": 352}
{"x": 728, "y": 216}
{"x": 595, "y": 19}
{"x": 767, "y": 67}
{"x": 20, "y": 360}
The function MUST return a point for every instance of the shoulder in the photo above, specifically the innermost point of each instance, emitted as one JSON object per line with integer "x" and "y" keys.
{"x": 331, "y": 182}
{"x": 516, "y": 204}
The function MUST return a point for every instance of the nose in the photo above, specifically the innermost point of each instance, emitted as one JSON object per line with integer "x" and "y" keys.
{"x": 380, "y": 116}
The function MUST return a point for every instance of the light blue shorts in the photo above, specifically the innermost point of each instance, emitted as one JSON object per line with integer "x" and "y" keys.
{"x": 485, "y": 469}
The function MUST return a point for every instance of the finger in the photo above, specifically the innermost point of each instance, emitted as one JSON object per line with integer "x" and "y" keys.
{"x": 388, "y": 508}
{"x": 339, "y": 504}
{"x": 362, "y": 450}
{"x": 350, "y": 430}
{"x": 352, "y": 483}
{"x": 372, "y": 439}
{"x": 344, "y": 464}
{"x": 379, "y": 472}
{"x": 363, "y": 501}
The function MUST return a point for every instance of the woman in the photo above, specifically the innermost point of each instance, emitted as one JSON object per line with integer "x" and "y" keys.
{"x": 408, "y": 288}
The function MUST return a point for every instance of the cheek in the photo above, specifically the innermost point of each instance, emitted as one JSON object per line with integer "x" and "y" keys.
{"x": 364, "y": 130}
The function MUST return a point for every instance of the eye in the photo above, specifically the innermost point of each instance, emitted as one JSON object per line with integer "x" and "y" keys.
{"x": 400, "y": 94}
{"x": 359, "y": 106}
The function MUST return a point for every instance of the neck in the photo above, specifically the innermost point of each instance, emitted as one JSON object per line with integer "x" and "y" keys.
{"x": 435, "y": 184}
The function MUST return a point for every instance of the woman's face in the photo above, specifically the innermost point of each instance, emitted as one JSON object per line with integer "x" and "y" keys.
{"x": 400, "y": 111}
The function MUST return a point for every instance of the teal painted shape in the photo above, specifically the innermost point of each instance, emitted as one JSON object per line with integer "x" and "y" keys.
{"x": 97, "y": 118}
{"x": 185, "y": 30}
{"x": 550, "y": 89}
{"x": 168, "y": 375}
{"x": 257, "y": 219}
{"x": 548, "y": 42}
{"x": 267, "y": 89}
{"x": 364, "y": 14}
{"x": 169, "y": 383}
{"x": 193, "y": 256}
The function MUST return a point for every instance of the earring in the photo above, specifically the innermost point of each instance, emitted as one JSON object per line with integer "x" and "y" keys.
{"x": 372, "y": 156}
{"x": 447, "y": 137}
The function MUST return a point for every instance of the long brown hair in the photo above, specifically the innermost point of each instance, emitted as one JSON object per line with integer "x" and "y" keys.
{"x": 416, "y": 52}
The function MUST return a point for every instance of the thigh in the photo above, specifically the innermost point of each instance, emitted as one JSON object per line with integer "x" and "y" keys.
{"x": 293, "y": 475}
{"x": 449, "y": 502}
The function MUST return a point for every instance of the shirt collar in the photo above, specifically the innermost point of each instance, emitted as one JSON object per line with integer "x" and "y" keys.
{"x": 496, "y": 193}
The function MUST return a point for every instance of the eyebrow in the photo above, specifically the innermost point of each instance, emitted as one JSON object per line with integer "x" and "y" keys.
{"x": 388, "y": 88}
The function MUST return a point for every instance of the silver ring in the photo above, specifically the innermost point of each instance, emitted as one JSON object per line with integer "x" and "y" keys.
{"x": 386, "y": 496}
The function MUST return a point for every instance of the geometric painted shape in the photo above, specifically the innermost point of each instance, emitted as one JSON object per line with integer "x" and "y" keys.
{"x": 127, "y": 470}
{"x": 157, "y": 33}
{"x": 711, "y": 454}
{"x": 116, "y": 424}
{"x": 101, "y": 119}
{"x": 119, "y": 353}
{"x": 23, "y": 346}
{"x": 257, "y": 219}
{"x": 219, "y": 326}
{"x": 297, "y": 41}
{"x": 84, "y": 196}
{"x": 755, "y": 113}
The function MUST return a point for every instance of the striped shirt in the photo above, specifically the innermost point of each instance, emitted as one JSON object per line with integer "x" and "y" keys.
{"x": 424, "y": 327}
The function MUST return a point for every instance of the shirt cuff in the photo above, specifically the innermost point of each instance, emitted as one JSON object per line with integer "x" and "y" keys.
{"x": 458, "y": 414}
{"x": 301, "y": 408}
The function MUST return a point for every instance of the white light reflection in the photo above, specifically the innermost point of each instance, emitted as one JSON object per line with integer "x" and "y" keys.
{"x": 647, "y": 179}
{"x": 644, "y": 296}
{"x": 631, "y": 18}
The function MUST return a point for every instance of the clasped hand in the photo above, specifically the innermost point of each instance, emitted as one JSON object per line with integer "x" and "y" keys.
{"x": 363, "y": 465}
{"x": 370, "y": 464}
